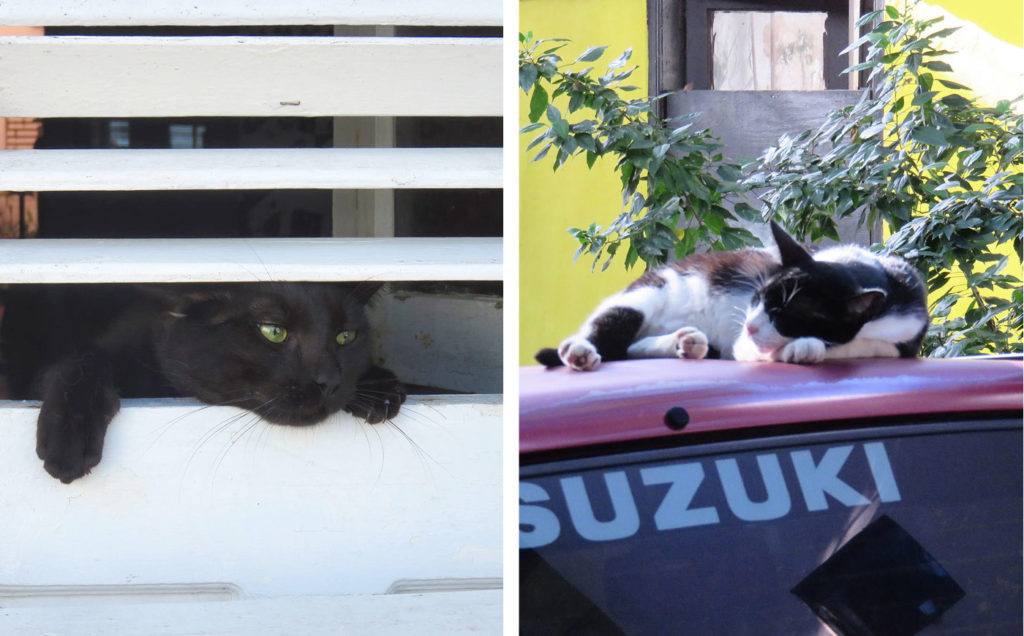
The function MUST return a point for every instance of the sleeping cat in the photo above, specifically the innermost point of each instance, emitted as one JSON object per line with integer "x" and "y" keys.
{"x": 758, "y": 305}
{"x": 292, "y": 353}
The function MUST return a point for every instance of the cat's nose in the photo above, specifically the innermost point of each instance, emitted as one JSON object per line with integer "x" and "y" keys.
{"x": 327, "y": 388}
{"x": 751, "y": 329}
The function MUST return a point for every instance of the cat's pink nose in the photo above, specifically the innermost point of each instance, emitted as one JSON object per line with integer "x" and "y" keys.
{"x": 751, "y": 329}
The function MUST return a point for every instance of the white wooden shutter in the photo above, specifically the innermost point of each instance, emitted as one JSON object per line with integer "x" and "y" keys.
{"x": 189, "y": 505}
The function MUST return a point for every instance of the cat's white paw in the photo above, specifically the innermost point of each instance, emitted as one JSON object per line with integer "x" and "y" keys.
{"x": 802, "y": 351}
{"x": 691, "y": 343}
{"x": 579, "y": 354}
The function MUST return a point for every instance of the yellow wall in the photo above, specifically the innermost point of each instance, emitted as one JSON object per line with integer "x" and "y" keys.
{"x": 555, "y": 293}
{"x": 1001, "y": 18}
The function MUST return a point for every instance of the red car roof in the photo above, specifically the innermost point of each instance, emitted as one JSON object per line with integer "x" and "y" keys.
{"x": 624, "y": 401}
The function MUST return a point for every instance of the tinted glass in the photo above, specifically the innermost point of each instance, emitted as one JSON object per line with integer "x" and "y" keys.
{"x": 747, "y": 538}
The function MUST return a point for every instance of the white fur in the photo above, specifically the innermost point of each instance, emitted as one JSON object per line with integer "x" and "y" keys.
{"x": 847, "y": 254}
{"x": 579, "y": 354}
{"x": 895, "y": 328}
{"x": 801, "y": 351}
{"x": 686, "y": 301}
{"x": 763, "y": 342}
{"x": 862, "y": 348}
{"x": 686, "y": 342}
{"x": 670, "y": 313}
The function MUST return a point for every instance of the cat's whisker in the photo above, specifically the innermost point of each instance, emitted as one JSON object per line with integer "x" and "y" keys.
{"x": 234, "y": 439}
{"x": 166, "y": 427}
{"x": 213, "y": 432}
{"x": 422, "y": 454}
{"x": 380, "y": 444}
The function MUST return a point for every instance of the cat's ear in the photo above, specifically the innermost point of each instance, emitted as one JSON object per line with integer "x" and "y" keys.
{"x": 179, "y": 299}
{"x": 866, "y": 304}
{"x": 790, "y": 251}
{"x": 363, "y": 291}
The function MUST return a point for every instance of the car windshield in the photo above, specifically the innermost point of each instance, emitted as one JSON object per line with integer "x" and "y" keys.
{"x": 882, "y": 531}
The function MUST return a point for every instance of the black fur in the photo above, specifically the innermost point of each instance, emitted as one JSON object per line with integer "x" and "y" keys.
{"x": 832, "y": 301}
{"x": 612, "y": 334}
{"x": 80, "y": 348}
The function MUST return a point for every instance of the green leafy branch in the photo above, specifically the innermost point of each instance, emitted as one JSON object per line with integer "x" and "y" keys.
{"x": 674, "y": 179}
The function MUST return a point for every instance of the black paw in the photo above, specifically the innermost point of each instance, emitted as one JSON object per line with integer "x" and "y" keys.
{"x": 379, "y": 396}
{"x": 73, "y": 421}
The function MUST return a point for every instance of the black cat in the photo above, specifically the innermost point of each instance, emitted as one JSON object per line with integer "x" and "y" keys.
{"x": 758, "y": 304}
{"x": 292, "y": 353}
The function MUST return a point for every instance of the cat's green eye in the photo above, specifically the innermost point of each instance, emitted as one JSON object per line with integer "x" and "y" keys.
{"x": 346, "y": 337}
{"x": 274, "y": 333}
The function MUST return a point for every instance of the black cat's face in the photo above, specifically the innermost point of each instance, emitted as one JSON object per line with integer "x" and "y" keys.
{"x": 817, "y": 301}
{"x": 291, "y": 353}
{"x": 807, "y": 299}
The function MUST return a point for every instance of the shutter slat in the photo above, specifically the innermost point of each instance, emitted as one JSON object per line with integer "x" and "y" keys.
{"x": 261, "y": 259}
{"x": 73, "y": 76}
{"x": 250, "y": 12}
{"x": 249, "y": 168}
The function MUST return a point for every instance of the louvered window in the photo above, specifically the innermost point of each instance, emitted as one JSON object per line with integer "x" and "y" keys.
{"x": 251, "y": 141}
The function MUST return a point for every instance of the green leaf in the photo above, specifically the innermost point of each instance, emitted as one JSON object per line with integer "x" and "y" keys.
{"x": 943, "y": 32}
{"x": 539, "y": 139}
{"x": 858, "y": 67}
{"x": 538, "y": 102}
{"x": 937, "y": 65}
{"x": 916, "y": 45}
{"x": 592, "y": 54}
{"x": 561, "y": 128}
{"x": 954, "y": 85}
{"x": 956, "y": 100}
{"x": 527, "y": 77}
{"x": 868, "y": 17}
{"x": 620, "y": 61}
{"x": 923, "y": 98}
{"x": 553, "y": 114}
{"x": 747, "y": 213}
{"x": 729, "y": 173}
{"x": 892, "y": 12}
{"x": 930, "y": 136}
{"x": 714, "y": 221}
{"x": 873, "y": 130}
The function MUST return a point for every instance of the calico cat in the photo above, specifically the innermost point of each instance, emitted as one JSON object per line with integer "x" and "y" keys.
{"x": 758, "y": 305}
{"x": 292, "y": 353}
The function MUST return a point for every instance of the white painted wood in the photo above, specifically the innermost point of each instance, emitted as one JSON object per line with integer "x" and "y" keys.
{"x": 451, "y": 342}
{"x": 72, "y": 76}
{"x": 249, "y": 168}
{"x": 187, "y": 494}
{"x": 381, "y": 615}
{"x": 222, "y": 260}
{"x": 247, "y": 12}
{"x": 372, "y": 212}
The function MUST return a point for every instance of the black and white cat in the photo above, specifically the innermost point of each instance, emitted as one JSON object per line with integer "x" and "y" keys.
{"x": 758, "y": 305}
{"x": 291, "y": 353}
